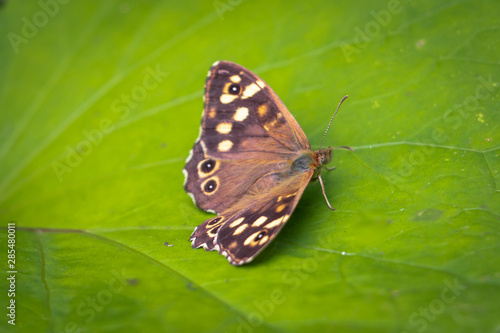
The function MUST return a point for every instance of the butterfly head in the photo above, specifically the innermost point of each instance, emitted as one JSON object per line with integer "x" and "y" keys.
{"x": 324, "y": 156}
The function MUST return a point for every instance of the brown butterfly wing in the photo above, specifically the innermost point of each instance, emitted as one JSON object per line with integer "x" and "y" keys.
{"x": 243, "y": 231}
{"x": 246, "y": 132}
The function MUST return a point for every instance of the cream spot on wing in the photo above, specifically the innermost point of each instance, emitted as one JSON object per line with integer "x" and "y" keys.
{"x": 236, "y": 222}
{"x": 262, "y": 110}
{"x": 199, "y": 134}
{"x": 191, "y": 195}
{"x": 227, "y": 98}
{"x": 270, "y": 124}
{"x": 189, "y": 156}
{"x": 250, "y": 90}
{"x": 224, "y": 128}
{"x": 235, "y": 78}
{"x": 259, "y": 221}
{"x": 240, "y": 229}
{"x": 285, "y": 196}
{"x": 241, "y": 114}
{"x": 224, "y": 145}
{"x": 184, "y": 171}
{"x": 261, "y": 84}
{"x": 277, "y": 222}
{"x": 203, "y": 147}
{"x": 251, "y": 239}
{"x": 248, "y": 260}
{"x": 263, "y": 240}
{"x": 211, "y": 113}
{"x": 209, "y": 73}
{"x": 280, "y": 208}
{"x": 233, "y": 245}
{"x": 215, "y": 63}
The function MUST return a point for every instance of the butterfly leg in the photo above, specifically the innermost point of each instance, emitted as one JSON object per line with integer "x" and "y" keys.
{"x": 324, "y": 193}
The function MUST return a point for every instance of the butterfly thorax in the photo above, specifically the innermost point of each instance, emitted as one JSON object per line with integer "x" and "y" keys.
{"x": 304, "y": 162}
{"x": 312, "y": 160}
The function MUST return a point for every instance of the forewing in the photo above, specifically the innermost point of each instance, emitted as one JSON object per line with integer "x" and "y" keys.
{"x": 246, "y": 132}
{"x": 244, "y": 118}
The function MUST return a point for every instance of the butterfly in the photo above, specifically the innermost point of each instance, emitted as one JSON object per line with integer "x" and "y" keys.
{"x": 250, "y": 164}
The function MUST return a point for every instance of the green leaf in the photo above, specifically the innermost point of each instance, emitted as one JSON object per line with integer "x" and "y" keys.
{"x": 100, "y": 103}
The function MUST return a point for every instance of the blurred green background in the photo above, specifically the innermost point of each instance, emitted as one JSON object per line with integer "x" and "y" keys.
{"x": 100, "y": 103}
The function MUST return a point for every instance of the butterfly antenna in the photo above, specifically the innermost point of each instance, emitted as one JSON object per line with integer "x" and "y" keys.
{"x": 328, "y": 127}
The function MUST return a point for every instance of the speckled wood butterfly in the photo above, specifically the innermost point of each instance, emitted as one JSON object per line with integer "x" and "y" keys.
{"x": 250, "y": 164}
